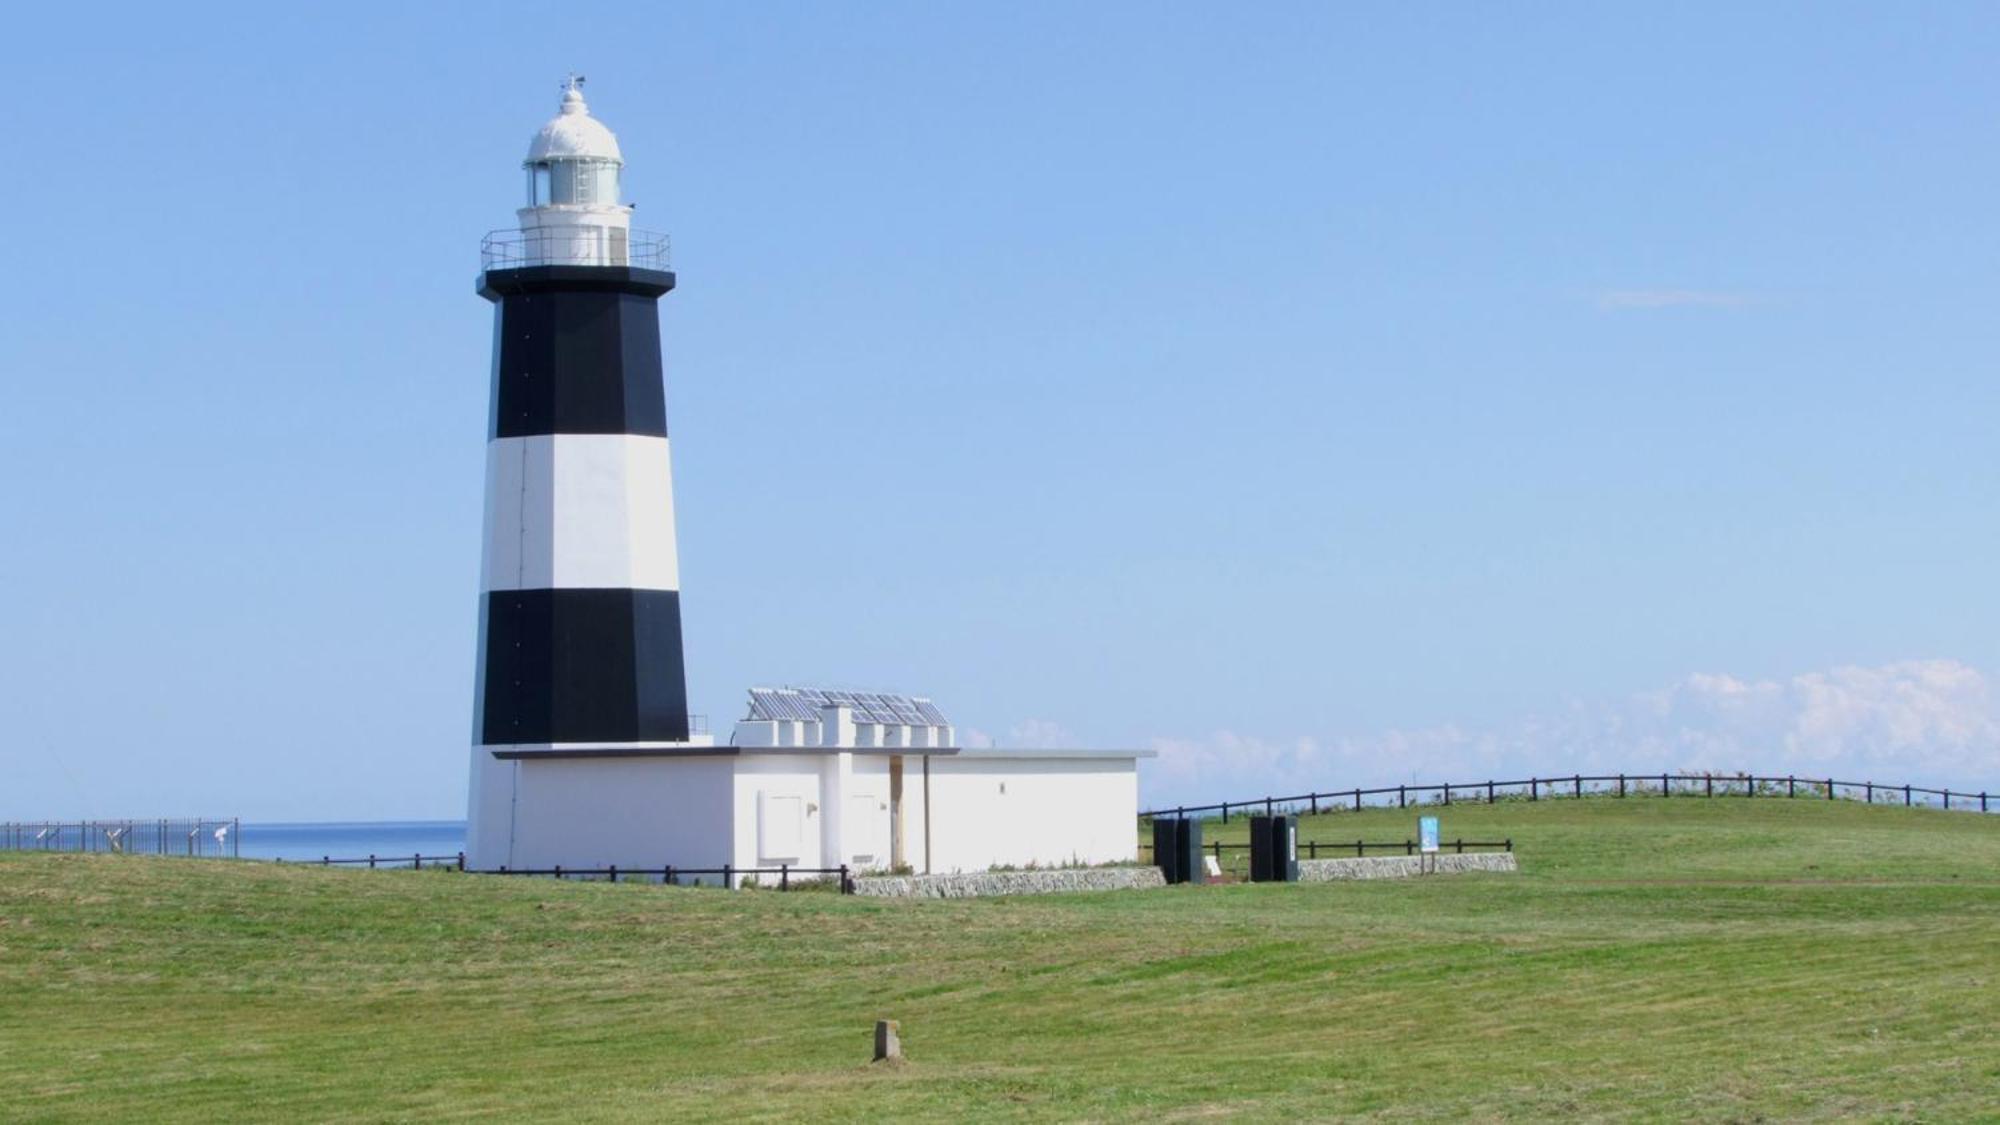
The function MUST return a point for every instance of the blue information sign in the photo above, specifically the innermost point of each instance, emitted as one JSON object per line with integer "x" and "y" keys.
{"x": 1427, "y": 833}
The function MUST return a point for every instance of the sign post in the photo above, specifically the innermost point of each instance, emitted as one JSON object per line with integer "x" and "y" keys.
{"x": 1427, "y": 843}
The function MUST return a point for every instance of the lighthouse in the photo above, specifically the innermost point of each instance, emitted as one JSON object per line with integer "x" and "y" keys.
{"x": 584, "y": 757}
{"x": 579, "y": 651}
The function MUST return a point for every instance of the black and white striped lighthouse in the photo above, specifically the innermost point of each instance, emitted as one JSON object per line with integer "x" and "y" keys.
{"x": 580, "y": 621}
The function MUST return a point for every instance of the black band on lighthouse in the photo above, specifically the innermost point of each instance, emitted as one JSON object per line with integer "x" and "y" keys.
{"x": 584, "y": 665}
{"x": 578, "y": 363}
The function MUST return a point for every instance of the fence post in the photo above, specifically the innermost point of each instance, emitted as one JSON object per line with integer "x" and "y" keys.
{"x": 1461, "y": 845}
{"x": 1534, "y": 789}
{"x": 1578, "y": 779}
{"x": 614, "y": 873}
{"x": 326, "y": 861}
{"x": 1906, "y": 796}
{"x": 728, "y": 884}
{"x": 1225, "y": 812}
{"x": 558, "y": 872}
{"x": 461, "y": 861}
{"x": 1791, "y": 787}
{"x": 1312, "y": 849}
{"x": 784, "y": 876}
{"x": 1510, "y": 843}
{"x": 1267, "y": 806}
{"x": 1947, "y": 799}
{"x": 1708, "y": 785}
{"x": 1314, "y": 798}
{"x": 846, "y": 884}
{"x": 667, "y": 876}
{"x": 1829, "y": 789}
{"x": 1409, "y": 848}
{"x": 1489, "y": 792}
{"x": 1357, "y": 798}
{"x": 1358, "y": 849}
{"x": 1447, "y": 792}
{"x": 1402, "y": 801}
{"x": 1621, "y": 785}
{"x": 371, "y": 861}
{"x": 1982, "y": 800}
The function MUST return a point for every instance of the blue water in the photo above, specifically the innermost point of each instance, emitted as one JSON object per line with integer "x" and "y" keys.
{"x": 385, "y": 838}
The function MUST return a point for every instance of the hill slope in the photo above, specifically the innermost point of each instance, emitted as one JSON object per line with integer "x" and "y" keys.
{"x": 1653, "y": 958}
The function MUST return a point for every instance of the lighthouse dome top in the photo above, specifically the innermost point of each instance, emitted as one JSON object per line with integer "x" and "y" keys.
{"x": 573, "y": 134}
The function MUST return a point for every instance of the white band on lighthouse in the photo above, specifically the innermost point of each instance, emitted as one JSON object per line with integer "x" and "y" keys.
{"x": 567, "y": 511}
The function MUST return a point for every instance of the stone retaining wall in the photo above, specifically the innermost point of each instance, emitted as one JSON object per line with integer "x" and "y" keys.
{"x": 980, "y": 883}
{"x": 1400, "y": 866}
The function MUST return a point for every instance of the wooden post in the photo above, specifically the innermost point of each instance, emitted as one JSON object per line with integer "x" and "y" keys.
{"x": 1621, "y": 785}
{"x": 461, "y": 861}
{"x": 1312, "y": 849}
{"x": 1534, "y": 789}
{"x": 846, "y": 884}
{"x": 1708, "y": 785}
{"x": 1314, "y": 798}
{"x": 667, "y": 876}
{"x": 1870, "y": 791}
{"x": 1791, "y": 787}
{"x": 1447, "y": 792}
{"x": 1402, "y": 798}
{"x": 1461, "y": 845}
{"x": 371, "y": 861}
{"x": 614, "y": 873}
{"x": 1829, "y": 789}
{"x": 728, "y": 883}
{"x": 1358, "y": 849}
{"x": 784, "y": 876}
{"x": 1906, "y": 797}
{"x": 1357, "y": 799}
{"x": 558, "y": 872}
{"x": 1267, "y": 806}
{"x": 1489, "y": 792}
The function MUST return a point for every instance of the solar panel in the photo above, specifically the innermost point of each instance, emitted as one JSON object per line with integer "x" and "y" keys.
{"x": 792, "y": 704}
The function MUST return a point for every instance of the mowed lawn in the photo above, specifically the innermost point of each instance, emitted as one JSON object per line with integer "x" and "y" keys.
{"x": 1728, "y": 959}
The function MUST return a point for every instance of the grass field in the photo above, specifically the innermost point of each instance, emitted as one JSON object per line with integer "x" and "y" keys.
{"x": 1653, "y": 959}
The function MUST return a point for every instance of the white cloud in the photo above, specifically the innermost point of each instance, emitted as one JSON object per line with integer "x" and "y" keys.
{"x": 1920, "y": 721}
{"x": 1028, "y": 734}
{"x": 1673, "y": 299}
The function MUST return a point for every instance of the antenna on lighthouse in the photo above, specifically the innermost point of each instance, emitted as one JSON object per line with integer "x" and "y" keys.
{"x": 575, "y": 82}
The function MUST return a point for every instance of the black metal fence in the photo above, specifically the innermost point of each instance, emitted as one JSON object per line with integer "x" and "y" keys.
{"x": 197, "y": 837}
{"x": 734, "y": 878}
{"x": 1683, "y": 784}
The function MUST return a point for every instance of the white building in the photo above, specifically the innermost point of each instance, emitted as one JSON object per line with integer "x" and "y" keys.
{"x": 820, "y": 780}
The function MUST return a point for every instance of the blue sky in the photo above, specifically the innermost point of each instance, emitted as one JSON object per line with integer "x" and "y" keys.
{"x": 1316, "y": 393}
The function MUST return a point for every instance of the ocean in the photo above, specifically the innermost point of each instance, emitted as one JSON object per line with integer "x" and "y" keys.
{"x": 353, "y": 840}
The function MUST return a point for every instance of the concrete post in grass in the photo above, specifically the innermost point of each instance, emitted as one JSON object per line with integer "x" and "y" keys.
{"x": 888, "y": 1041}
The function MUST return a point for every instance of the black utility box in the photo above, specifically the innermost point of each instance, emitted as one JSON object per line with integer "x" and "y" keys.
{"x": 1274, "y": 849}
{"x": 1177, "y": 850}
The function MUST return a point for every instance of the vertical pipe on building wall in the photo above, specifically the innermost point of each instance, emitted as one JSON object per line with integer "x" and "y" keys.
{"x": 927, "y": 814}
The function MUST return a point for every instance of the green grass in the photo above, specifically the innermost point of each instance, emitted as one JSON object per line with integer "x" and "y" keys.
{"x": 1654, "y": 959}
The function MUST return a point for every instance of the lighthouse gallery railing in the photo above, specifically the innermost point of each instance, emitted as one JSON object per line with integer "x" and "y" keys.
{"x": 575, "y": 246}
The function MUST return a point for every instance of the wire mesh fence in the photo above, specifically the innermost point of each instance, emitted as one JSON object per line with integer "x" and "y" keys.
{"x": 201, "y": 836}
